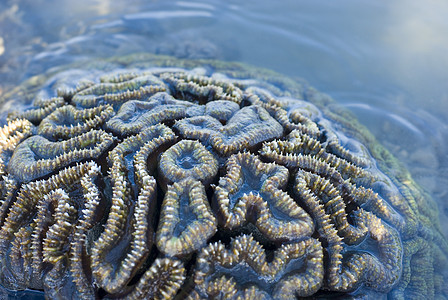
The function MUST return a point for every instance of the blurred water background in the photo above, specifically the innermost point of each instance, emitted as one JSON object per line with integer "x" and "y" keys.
{"x": 387, "y": 61}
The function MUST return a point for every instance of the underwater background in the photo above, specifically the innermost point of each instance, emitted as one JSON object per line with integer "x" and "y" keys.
{"x": 386, "y": 62}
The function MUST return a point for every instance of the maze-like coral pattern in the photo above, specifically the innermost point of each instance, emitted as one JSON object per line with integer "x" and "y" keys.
{"x": 167, "y": 182}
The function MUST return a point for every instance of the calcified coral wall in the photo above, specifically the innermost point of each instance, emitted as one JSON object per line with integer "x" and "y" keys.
{"x": 158, "y": 178}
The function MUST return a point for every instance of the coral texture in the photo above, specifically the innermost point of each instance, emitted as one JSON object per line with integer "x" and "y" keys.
{"x": 162, "y": 178}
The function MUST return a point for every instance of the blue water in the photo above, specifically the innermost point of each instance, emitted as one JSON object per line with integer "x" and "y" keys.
{"x": 384, "y": 60}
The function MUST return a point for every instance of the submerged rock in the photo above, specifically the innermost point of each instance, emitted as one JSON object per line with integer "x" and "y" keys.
{"x": 150, "y": 177}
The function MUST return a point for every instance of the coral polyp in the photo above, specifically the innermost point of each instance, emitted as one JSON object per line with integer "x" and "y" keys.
{"x": 252, "y": 191}
{"x": 221, "y": 272}
{"x": 188, "y": 160}
{"x": 247, "y": 128}
{"x": 186, "y": 220}
{"x": 158, "y": 178}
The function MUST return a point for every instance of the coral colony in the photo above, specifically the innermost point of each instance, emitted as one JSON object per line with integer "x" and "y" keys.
{"x": 162, "y": 178}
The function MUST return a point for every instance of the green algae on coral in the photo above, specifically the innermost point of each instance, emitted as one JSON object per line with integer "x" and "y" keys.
{"x": 155, "y": 177}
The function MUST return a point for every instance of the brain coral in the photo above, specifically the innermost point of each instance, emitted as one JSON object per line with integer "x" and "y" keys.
{"x": 150, "y": 177}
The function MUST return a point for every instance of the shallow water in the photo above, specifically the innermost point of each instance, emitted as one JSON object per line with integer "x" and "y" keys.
{"x": 386, "y": 62}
